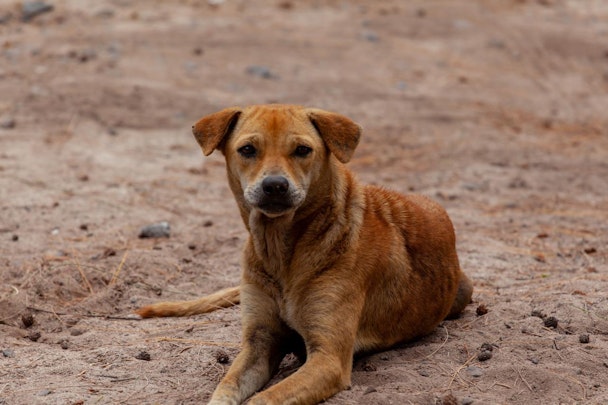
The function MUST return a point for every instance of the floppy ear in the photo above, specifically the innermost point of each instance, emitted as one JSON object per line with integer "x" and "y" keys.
{"x": 211, "y": 130}
{"x": 340, "y": 134}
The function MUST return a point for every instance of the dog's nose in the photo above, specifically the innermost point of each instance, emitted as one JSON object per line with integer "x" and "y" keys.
{"x": 275, "y": 186}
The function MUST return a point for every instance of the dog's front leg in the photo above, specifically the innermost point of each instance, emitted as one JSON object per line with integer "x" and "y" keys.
{"x": 264, "y": 338}
{"x": 329, "y": 333}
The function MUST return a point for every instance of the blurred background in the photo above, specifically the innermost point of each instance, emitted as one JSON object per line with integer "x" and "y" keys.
{"x": 496, "y": 108}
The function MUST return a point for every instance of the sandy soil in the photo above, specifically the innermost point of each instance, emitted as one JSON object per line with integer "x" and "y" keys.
{"x": 495, "y": 108}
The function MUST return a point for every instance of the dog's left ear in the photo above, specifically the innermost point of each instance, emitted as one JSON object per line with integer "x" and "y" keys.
{"x": 340, "y": 134}
{"x": 211, "y": 130}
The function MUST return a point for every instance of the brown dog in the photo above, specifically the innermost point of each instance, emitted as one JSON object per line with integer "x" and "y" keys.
{"x": 331, "y": 267}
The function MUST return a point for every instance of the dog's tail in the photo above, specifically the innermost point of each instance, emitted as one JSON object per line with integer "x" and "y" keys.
{"x": 463, "y": 297}
{"x": 220, "y": 299}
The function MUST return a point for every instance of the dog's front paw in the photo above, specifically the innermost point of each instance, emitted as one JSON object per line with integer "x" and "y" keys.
{"x": 223, "y": 398}
{"x": 223, "y": 401}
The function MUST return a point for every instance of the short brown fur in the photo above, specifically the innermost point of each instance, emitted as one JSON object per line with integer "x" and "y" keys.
{"x": 331, "y": 268}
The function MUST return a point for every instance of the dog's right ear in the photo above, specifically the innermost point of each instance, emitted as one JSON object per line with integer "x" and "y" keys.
{"x": 211, "y": 130}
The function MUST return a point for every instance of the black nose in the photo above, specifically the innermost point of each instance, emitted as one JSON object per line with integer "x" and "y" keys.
{"x": 275, "y": 186}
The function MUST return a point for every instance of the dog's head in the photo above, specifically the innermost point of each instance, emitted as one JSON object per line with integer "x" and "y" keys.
{"x": 275, "y": 152}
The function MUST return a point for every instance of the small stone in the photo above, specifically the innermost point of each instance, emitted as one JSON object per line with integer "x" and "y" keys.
{"x": 424, "y": 373}
{"x": 15, "y": 238}
{"x": 10, "y": 353}
{"x": 261, "y": 71}
{"x": 384, "y": 357}
{"x": 191, "y": 246}
{"x": 222, "y": 357}
{"x": 208, "y": 223}
{"x": 534, "y": 360}
{"x": 43, "y": 393}
{"x": 65, "y": 344}
{"x": 487, "y": 347}
{"x": 484, "y": 355}
{"x": 143, "y": 355}
{"x": 32, "y": 9}
{"x": 538, "y": 313}
{"x": 474, "y": 371}
{"x": 34, "y": 336}
{"x": 27, "y": 320}
{"x": 370, "y": 36}
{"x": 551, "y": 322}
{"x": 369, "y": 390}
{"x": 584, "y": 338}
{"x": 481, "y": 310}
{"x": 158, "y": 230}
{"x": 76, "y": 332}
{"x": 466, "y": 401}
{"x": 8, "y": 123}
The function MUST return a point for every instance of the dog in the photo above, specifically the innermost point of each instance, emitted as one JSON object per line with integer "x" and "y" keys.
{"x": 331, "y": 268}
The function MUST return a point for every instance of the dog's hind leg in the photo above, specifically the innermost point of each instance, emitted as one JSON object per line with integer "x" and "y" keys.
{"x": 220, "y": 299}
{"x": 463, "y": 297}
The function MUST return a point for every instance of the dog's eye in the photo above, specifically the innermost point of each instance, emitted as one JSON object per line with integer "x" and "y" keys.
{"x": 302, "y": 151}
{"x": 247, "y": 151}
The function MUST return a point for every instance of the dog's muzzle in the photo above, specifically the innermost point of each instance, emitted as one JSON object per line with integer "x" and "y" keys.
{"x": 274, "y": 195}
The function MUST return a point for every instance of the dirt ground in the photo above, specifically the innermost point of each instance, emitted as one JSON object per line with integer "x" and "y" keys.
{"x": 495, "y": 108}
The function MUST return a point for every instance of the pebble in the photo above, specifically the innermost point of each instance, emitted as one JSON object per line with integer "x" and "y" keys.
{"x": 34, "y": 336}
{"x": 481, "y": 310}
{"x": 484, "y": 355}
{"x": 64, "y": 344}
{"x": 370, "y": 36}
{"x": 261, "y": 71}
{"x": 143, "y": 355}
{"x": 538, "y": 313}
{"x": 487, "y": 347}
{"x": 222, "y": 357}
{"x": 43, "y": 393}
{"x": 159, "y": 230}
{"x": 32, "y": 9}
{"x": 76, "y": 332}
{"x": 8, "y": 123}
{"x": 474, "y": 371}
{"x": 27, "y": 320}
{"x": 584, "y": 338}
{"x": 424, "y": 373}
{"x": 10, "y": 353}
{"x": 551, "y": 322}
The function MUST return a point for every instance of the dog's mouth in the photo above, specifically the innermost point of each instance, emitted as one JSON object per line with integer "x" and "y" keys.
{"x": 274, "y": 208}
